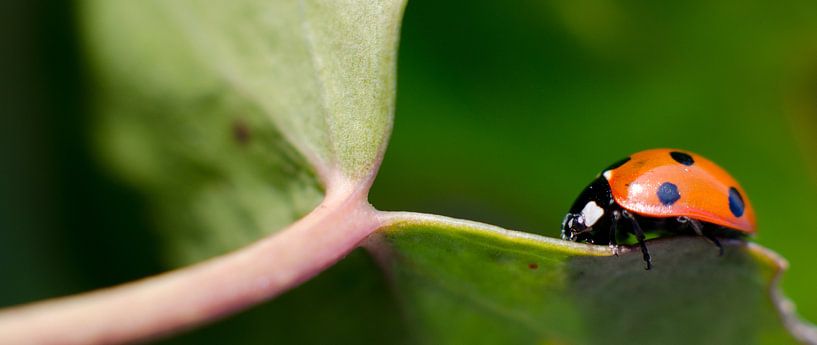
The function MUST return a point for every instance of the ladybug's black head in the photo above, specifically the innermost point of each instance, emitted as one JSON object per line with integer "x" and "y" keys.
{"x": 575, "y": 229}
{"x": 589, "y": 218}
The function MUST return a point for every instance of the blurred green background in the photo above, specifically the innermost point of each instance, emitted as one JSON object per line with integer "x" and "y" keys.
{"x": 505, "y": 111}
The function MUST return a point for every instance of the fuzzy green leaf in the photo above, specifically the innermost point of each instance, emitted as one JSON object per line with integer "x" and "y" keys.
{"x": 463, "y": 282}
{"x": 235, "y": 116}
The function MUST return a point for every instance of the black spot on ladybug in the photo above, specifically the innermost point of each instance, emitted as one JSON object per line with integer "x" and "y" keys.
{"x": 682, "y": 158}
{"x": 241, "y": 133}
{"x": 668, "y": 193}
{"x": 735, "y": 202}
{"x": 617, "y": 164}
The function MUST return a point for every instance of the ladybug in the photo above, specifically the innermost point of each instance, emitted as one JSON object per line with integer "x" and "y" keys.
{"x": 662, "y": 190}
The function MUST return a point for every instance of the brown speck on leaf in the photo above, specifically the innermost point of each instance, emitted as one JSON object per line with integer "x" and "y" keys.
{"x": 533, "y": 265}
{"x": 241, "y": 133}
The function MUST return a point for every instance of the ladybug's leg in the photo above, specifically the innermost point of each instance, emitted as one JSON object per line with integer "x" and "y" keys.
{"x": 699, "y": 230}
{"x": 714, "y": 240}
{"x": 614, "y": 232}
{"x": 639, "y": 235}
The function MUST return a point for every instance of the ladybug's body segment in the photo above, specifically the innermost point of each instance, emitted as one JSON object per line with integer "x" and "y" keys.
{"x": 661, "y": 190}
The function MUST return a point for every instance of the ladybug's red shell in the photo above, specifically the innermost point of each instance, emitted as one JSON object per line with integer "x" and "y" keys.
{"x": 692, "y": 186}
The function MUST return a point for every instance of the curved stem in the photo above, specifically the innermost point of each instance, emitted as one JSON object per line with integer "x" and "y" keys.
{"x": 204, "y": 292}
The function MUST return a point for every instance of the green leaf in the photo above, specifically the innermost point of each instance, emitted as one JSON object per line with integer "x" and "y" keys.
{"x": 463, "y": 282}
{"x": 234, "y": 117}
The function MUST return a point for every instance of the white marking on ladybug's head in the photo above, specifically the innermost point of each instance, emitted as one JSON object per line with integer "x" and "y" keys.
{"x": 608, "y": 174}
{"x": 592, "y": 212}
